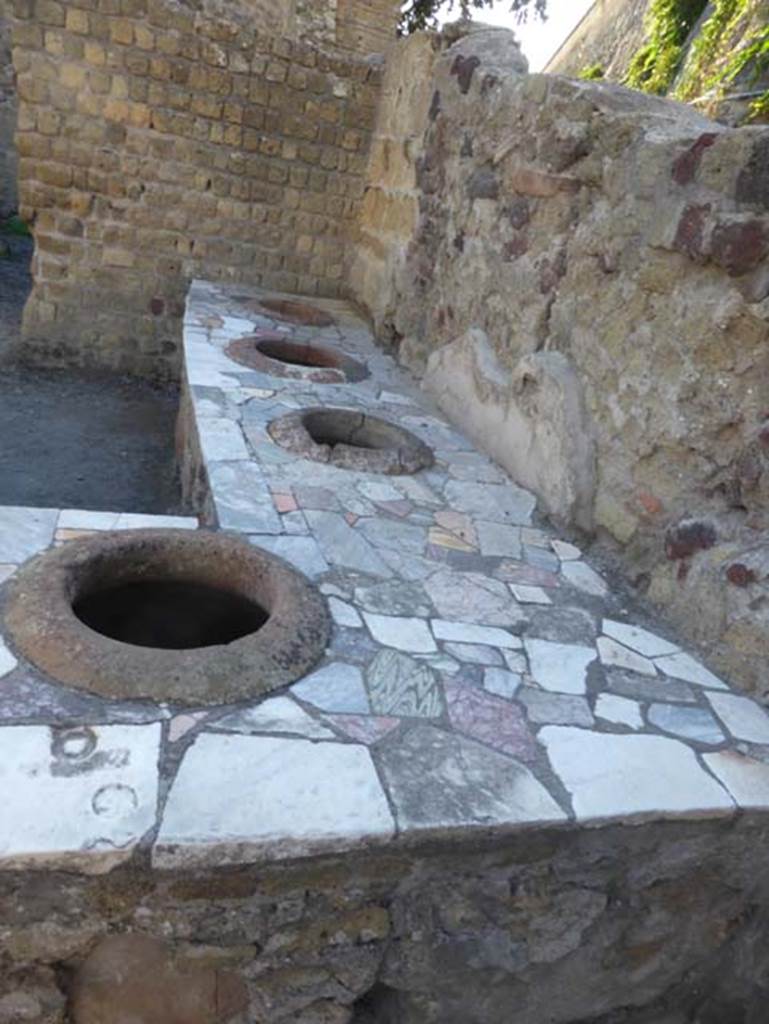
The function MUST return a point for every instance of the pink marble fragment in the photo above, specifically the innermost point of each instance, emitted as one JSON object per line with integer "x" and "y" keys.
{"x": 351, "y": 518}
{"x": 182, "y": 724}
{"x": 459, "y": 524}
{"x": 364, "y": 728}
{"x": 490, "y": 719}
{"x": 285, "y": 503}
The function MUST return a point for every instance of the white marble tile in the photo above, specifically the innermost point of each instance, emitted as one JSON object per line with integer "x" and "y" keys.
{"x": 335, "y": 687}
{"x": 566, "y": 552}
{"x": 516, "y": 661}
{"x": 470, "y": 633}
{"x": 638, "y": 639}
{"x": 25, "y": 532}
{"x": 561, "y": 668}
{"x": 275, "y": 715}
{"x": 344, "y": 614}
{"x": 745, "y": 778}
{"x": 620, "y": 710}
{"x": 79, "y": 798}
{"x": 139, "y": 521}
{"x": 284, "y": 798}
{"x": 405, "y": 634}
{"x": 530, "y": 595}
{"x": 617, "y": 656}
{"x": 241, "y": 498}
{"x": 744, "y": 719}
{"x": 501, "y": 682}
{"x": 7, "y": 661}
{"x": 81, "y": 519}
{"x": 236, "y": 327}
{"x": 221, "y": 440}
{"x": 581, "y": 576}
{"x": 631, "y": 777}
{"x": 683, "y": 666}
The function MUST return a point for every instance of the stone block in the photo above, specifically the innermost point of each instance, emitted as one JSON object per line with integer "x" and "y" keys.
{"x": 138, "y": 978}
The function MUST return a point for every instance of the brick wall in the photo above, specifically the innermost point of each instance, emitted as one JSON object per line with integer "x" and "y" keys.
{"x": 7, "y": 122}
{"x": 157, "y": 144}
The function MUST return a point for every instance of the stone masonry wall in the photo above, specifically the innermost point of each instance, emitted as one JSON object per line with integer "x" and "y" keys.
{"x": 7, "y": 122}
{"x": 608, "y": 36}
{"x": 580, "y": 274}
{"x": 158, "y": 143}
{"x": 656, "y": 922}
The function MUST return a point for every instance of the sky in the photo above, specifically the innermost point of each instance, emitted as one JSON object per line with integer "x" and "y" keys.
{"x": 539, "y": 40}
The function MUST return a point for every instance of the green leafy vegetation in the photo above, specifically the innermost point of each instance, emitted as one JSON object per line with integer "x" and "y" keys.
{"x": 668, "y": 24}
{"x": 752, "y": 62}
{"x": 421, "y": 14}
{"x": 591, "y": 72}
{"x": 14, "y": 226}
{"x": 723, "y": 56}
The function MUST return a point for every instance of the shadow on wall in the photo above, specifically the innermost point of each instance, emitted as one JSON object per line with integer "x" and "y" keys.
{"x": 581, "y": 275}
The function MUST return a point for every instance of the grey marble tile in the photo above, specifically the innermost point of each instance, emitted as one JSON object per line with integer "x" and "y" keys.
{"x": 545, "y": 708}
{"x": 494, "y": 502}
{"x": 25, "y": 532}
{"x": 690, "y": 723}
{"x": 440, "y": 780}
{"x": 344, "y": 546}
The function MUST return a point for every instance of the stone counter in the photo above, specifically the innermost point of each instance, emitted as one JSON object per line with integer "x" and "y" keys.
{"x": 499, "y": 785}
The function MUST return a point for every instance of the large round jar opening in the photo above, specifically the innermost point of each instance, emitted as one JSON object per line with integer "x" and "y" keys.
{"x": 171, "y": 615}
{"x": 279, "y": 356}
{"x": 351, "y": 439}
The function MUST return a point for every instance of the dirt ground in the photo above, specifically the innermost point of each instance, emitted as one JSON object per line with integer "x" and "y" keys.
{"x": 74, "y": 439}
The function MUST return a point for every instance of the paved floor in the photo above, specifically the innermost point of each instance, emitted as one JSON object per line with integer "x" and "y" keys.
{"x": 79, "y": 439}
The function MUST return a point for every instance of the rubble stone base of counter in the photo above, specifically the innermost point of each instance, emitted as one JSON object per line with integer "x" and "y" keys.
{"x": 557, "y": 926}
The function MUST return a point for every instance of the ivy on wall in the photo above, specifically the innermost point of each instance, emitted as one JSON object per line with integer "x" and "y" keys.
{"x": 721, "y": 57}
{"x": 668, "y": 24}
